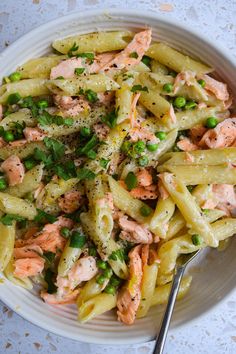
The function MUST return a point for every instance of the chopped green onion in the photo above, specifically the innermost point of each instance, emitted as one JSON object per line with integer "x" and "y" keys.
{"x": 111, "y": 118}
{"x": 89, "y": 56}
{"x": 179, "y": 102}
{"x": 202, "y": 83}
{"x": 161, "y": 135}
{"x": 93, "y": 141}
{"x": 206, "y": 211}
{"x": 136, "y": 88}
{"x": 145, "y": 210}
{"x": 8, "y": 219}
{"x": 143, "y": 161}
{"x": 8, "y": 136}
{"x": 92, "y": 251}
{"x": 119, "y": 254}
{"x": 91, "y": 154}
{"x": 196, "y": 240}
{"x": 85, "y": 173}
{"x": 109, "y": 289}
{"x": 49, "y": 279}
{"x": 102, "y": 264}
{"x": 168, "y": 87}
{"x": 74, "y": 48}
{"x": 126, "y": 146}
{"x": 133, "y": 55}
{"x": 85, "y": 132}
{"x": 77, "y": 240}
{"x": 42, "y": 217}
{"x": 68, "y": 122}
{"x": 79, "y": 71}
{"x": 65, "y": 232}
{"x": 131, "y": 181}
{"x": 56, "y": 147}
{"x": 3, "y": 183}
{"x": 16, "y": 76}
{"x": 115, "y": 281}
{"x": 50, "y": 256}
{"x": 103, "y": 163}
{"x": 91, "y": 96}
{"x": 42, "y": 104}
{"x": 13, "y": 98}
{"x": 152, "y": 147}
{"x": 211, "y": 122}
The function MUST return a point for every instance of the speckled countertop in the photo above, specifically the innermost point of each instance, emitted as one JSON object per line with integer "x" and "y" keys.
{"x": 214, "y": 333}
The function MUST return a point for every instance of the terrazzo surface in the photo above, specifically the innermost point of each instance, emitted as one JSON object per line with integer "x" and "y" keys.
{"x": 216, "y": 331}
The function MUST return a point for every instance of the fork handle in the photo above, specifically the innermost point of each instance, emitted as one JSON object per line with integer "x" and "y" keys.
{"x": 161, "y": 338}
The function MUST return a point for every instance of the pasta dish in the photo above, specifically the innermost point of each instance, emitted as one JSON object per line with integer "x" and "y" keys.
{"x": 118, "y": 154}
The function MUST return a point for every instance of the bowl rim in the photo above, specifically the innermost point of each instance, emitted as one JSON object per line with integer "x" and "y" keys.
{"x": 218, "y": 47}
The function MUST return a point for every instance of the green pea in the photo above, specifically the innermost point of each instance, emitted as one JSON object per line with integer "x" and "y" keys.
{"x": 109, "y": 289}
{"x": 115, "y": 281}
{"x": 16, "y": 76}
{"x": 85, "y": 132}
{"x": 107, "y": 272}
{"x": 143, "y": 161}
{"x": 161, "y": 135}
{"x": 190, "y": 105}
{"x": 168, "y": 87}
{"x": 202, "y": 83}
{"x": 13, "y": 98}
{"x": 102, "y": 264}
{"x": 145, "y": 210}
{"x": 211, "y": 122}
{"x": 91, "y": 154}
{"x": 152, "y": 147}
{"x": 3, "y": 184}
{"x": 42, "y": 104}
{"x": 8, "y": 136}
{"x": 196, "y": 240}
{"x": 100, "y": 279}
{"x": 30, "y": 163}
{"x": 179, "y": 102}
{"x": 92, "y": 251}
{"x": 139, "y": 147}
{"x": 131, "y": 181}
{"x": 65, "y": 232}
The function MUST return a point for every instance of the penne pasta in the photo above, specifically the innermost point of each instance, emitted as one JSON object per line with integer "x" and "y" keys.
{"x": 159, "y": 223}
{"x": 7, "y": 240}
{"x": 17, "y": 206}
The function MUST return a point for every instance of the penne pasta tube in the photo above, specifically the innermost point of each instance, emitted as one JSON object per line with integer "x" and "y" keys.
{"x": 17, "y": 206}
{"x": 176, "y": 60}
{"x": 161, "y": 293}
{"x": 155, "y": 103}
{"x": 96, "y": 42}
{"x": 31, "y": 87}
{"x": 71, "y": 87}
{"x": 68, "y": 258}
{"x": 164, "y": 210}
{"x": 29, "y": 184}
{"x": 39, "y": 67}
{"x": 7, "y": 240}
{"x": 189, "y": 208}
{"x": 90, "y": 290}
{"x": 21, "y": 151}
{"x": 22, "y": 116}
{"x": 190, "y": 175}
{"x": 96, "y": 306}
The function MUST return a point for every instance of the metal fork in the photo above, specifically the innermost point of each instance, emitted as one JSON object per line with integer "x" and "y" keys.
{"x": 181, "y": 264}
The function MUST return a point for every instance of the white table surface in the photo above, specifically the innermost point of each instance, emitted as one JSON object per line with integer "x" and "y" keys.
{"x": 213, "y": 333}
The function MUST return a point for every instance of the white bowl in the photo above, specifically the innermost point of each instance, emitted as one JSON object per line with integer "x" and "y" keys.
{"x": 214, "y": 276}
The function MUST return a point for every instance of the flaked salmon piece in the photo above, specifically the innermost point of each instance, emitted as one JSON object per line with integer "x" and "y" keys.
{"x": 226, "y": 197}
{"x": 201, "y": 105}
{"x": 1, "y": 112}
{"x": 130, "y": 295}
{"x": 2, "y": 142}
{"x": 101, "y": 130}
{"x": 70, "y": 202}
{"x": 18, "y": 143}
{"x": 196, "y": 133}
{"x": 38, "y": 190}
{"x": 70, "y": 106}
{"x": 187, "y": 145}
{"x": 153, "y": 256}
{"x": 164, "y": 194}
{"x": 106, "y": 98}
{"x": 227, "y": 104}
{"x": 145, "y": 255}
{"x": 149, "y": 192}
{"x": 83, "y": 270}
{"x": 172, "y": 115}
{"x": 140, "y": 133}
{"x": 28, "y": 267}
{"x": 100, "y": 61}
{"x": 54, "y": 299}
{"x": 144, "y": 178}
{"x": 14, "y": 169}
{"x": 184, "y": 77}
{"x": 133, "y": 122}
{"x": 30, "y": 251}
{"x": 223, "y": 135}
{"x": 30, "y": 232}
{"x": 66, "y": 68}
{"x": 33, "y": 134}
{"x": 139, "y": 45}
{"x": 218, "y": 88}
{"x": 49, "y": 239}
{"x": 134, "y": 232}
